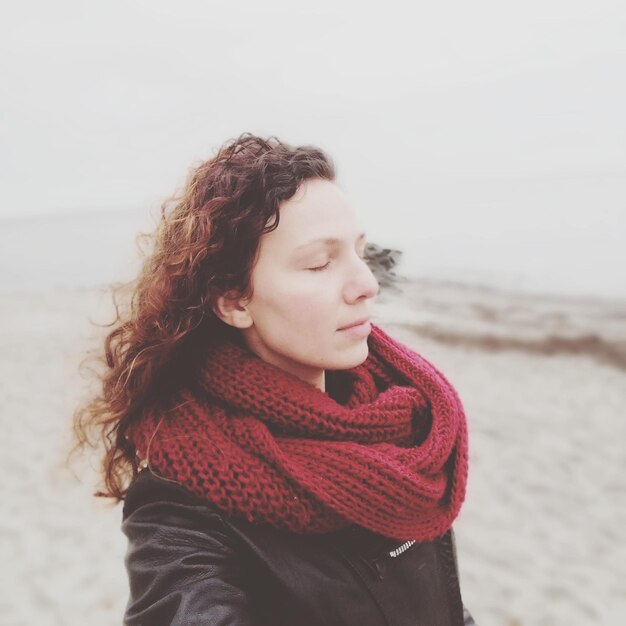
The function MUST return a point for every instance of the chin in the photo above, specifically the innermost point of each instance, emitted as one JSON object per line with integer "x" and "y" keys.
{"x": 350, "y": 358}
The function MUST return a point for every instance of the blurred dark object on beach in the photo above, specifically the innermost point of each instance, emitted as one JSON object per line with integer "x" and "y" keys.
{"x": 381, "y": 261}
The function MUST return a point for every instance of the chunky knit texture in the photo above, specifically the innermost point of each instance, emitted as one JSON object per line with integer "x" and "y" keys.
{"x": 385, "y": 447}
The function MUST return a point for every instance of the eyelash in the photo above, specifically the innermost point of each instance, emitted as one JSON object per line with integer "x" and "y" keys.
{"x": 319, "y": 269}
{"x": 323, "y": 267}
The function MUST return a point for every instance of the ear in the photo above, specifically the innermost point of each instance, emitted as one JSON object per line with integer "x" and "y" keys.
{"x": 231, "y": 308}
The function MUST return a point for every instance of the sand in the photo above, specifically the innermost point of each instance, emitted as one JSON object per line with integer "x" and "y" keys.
{"x": 543, "y": 381}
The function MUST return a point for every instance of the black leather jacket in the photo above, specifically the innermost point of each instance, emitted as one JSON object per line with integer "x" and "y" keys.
{"x": 187, "y": 564}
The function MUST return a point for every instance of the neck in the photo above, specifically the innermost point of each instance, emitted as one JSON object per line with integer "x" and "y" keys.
{"x": 312, "y": 375}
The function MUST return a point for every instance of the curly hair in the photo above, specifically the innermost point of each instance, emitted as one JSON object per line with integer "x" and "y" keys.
{"x": 205, "y": 244}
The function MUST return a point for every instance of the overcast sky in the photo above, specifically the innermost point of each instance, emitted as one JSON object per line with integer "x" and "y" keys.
{"x": 485, "y": 127}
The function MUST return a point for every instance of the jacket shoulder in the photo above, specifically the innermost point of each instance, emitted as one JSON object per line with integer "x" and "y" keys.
{"x": 149, "y": 488}
{"x": 183, "y": 562}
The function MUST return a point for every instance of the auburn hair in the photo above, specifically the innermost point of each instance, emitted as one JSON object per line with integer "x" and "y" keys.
{"x": 204, "y": 245}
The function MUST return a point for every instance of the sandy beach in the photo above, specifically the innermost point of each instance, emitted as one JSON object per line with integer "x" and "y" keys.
{"x": 543, "y": 381}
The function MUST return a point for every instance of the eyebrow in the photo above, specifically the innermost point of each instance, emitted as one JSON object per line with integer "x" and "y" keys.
{"x": 327, "y": 241}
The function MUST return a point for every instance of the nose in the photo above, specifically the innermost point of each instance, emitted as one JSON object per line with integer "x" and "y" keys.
{"x": 361, "y": 283}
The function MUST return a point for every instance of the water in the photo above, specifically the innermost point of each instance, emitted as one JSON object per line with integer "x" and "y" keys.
{"x": 84, "y": 250}
{"x": 69, "y": 251}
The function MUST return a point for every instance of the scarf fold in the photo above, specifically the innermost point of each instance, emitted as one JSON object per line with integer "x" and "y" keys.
{"x": 385, "y": 447}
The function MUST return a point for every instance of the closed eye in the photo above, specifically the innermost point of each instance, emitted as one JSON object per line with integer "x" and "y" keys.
{"x": 319, "y": 269}
{"x": 325, "y": 266}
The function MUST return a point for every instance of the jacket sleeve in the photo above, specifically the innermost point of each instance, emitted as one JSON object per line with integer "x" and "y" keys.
{"x": 468, "y": 620}
{"x": 183, "y": 564}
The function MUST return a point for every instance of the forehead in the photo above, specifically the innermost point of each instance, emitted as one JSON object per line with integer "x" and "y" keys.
{"x": 319, "y": 209}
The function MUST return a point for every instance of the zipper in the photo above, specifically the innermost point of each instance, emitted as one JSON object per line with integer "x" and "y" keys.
{"x": 400, "y": 549}
{"x": 376, "y": 565}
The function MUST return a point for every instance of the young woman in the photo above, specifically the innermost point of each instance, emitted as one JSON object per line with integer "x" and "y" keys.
{"x": 283, "y": 460}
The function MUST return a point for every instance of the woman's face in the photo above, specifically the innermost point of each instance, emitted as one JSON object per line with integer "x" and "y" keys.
{"x": 309, "y": 281}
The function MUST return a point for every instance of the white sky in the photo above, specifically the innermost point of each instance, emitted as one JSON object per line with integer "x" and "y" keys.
{"x": 482, "y": 127}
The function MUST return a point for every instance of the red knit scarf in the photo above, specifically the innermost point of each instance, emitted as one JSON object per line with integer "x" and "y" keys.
{"x": 384, "y": 447}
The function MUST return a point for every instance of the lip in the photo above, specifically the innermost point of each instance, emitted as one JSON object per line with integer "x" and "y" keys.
{"x": 357, "y": 331}
{"x": 358, "y": 323}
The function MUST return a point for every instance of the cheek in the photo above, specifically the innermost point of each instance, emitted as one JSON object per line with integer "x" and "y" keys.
{"x": 305, "y": 309}
{"x": 299, "y": 302}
